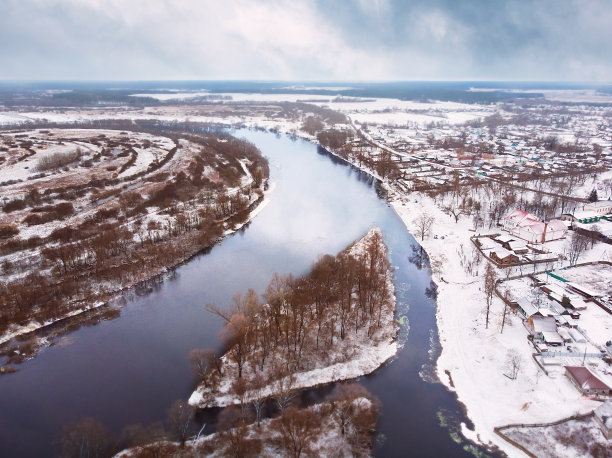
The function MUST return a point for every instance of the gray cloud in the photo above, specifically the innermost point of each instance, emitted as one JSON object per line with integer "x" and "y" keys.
{"x": 301, "y": 39}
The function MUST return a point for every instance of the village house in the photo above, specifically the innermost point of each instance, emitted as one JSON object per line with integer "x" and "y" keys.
{"x": 504, "y": 257}
{"x": 586, "y": 381}
{"x": 528, "y": 227}
{"x": 544, "y": 328}
{"x": 601, "y": 208}
{"x": 581, "y": 216}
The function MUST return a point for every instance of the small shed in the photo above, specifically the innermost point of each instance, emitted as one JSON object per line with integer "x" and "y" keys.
{"x": 518, "y": 246}
{"x": 528, "y": 309}
{"x": 565, "y": 335}
{"x": 487, "y": 244}
{"x": 552, "y": 338}
{"x": 504, "y": 238}
{"x": 577, "y": 335}
{"x": 504, "y": 257}
{"x": 538, "y": 325}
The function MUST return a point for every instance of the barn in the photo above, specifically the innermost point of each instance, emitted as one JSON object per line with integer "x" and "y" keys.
{"x": 586, "y": 381}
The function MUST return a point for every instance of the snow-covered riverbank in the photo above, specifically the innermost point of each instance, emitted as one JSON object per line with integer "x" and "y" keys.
{"x": 18, "y": 331}
{"x": 473, "y": 359}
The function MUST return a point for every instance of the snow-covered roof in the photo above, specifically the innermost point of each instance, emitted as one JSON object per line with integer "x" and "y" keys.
{"x": 585, "y": 214}
{"x": 517, "y": 245}
{"x": 546, "y": 312}
{"x": 528, "y": 308}
{"x": 544, "y": 324}
{"x": 517, "y": 215}
{"x": 556, "y": 225}
{"x": 501, "y": 253}
{"x": 563, "y": 332}
{"x": 537, "y": 227}
{"x": 552, "y": 337}
{"x": 487, "y": 244}
{"x": 586, "y": 379}
{"x": 505, "y": 238}
{"x": 583, "y": 289}
{"x": 578, "y": 303}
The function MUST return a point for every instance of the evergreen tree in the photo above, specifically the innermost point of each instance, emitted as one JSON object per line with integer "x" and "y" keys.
{"x": 593, "y": 196}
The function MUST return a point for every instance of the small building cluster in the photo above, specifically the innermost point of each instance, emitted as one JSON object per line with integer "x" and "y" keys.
{"x": 528, "y": 227}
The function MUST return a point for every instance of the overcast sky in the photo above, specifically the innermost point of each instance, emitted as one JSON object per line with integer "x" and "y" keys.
{"x": 561, "y": 40}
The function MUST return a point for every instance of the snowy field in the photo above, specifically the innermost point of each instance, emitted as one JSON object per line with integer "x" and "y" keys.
{"x": 580, "y": 437}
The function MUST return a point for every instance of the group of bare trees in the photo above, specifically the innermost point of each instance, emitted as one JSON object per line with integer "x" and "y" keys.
{"x": 89, "y": 438}
{"x": 79, "y": 263}
{"x": 348, "y": 415}
{"x": 344, "y": 297}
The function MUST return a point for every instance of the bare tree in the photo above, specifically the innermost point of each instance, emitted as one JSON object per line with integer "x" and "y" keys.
{"x": 594, "y": 234}
{"x": 204, "y": 361}
{"x": 506, "y": 302}
{"x": 423, "y": 222}
{"x": 490, "y": 279}
{"x": 284, "y": 392}
{"x": 454, "y": 211}
{"x": 513, "y": 364}
{"x": 257, "y": 386}
{"x": 575, "y": 247}
{"x": 179, "y": 419}
{"x": 232, "y": 439}
{"x": 235, "y": 336}
{"x": 298, "y": 429}
{"x": 87, "y": 439}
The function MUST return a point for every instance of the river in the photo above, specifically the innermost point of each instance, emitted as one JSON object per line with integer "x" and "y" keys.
{"x": 130, "y": 369}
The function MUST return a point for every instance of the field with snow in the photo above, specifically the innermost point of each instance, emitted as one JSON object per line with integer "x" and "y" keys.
{"x": 578, "y": 437}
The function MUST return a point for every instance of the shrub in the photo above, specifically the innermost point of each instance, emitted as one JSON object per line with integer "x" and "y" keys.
{"x": 8, "y": 230}
{"x": 17, "y": 204}
{"x": 57, "y": 160}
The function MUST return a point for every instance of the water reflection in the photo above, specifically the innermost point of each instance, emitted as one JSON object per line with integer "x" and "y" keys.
{"x": 130, "y": 370}
{"x": 418, "y": 257}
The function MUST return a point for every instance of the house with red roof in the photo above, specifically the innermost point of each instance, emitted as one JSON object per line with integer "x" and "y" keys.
{"x": 586, "y": 381}
{"x": 527, "y": 226}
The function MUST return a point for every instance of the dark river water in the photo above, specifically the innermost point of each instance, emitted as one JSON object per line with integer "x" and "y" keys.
{"x": 129, "y": 370}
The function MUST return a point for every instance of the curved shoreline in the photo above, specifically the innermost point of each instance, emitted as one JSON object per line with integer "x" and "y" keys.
{"x": 78, "y": 316}
{"x": 470, "y": 434}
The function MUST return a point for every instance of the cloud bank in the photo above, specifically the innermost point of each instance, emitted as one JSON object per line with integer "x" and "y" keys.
{"x": 562, "y": 40}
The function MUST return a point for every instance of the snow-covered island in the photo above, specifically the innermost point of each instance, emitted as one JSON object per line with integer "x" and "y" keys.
{"x": 336, "y": 323}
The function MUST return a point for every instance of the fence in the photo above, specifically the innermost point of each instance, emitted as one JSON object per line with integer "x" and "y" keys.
{"x": 499, "y": 430}
{"x": 565, "y": 354}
